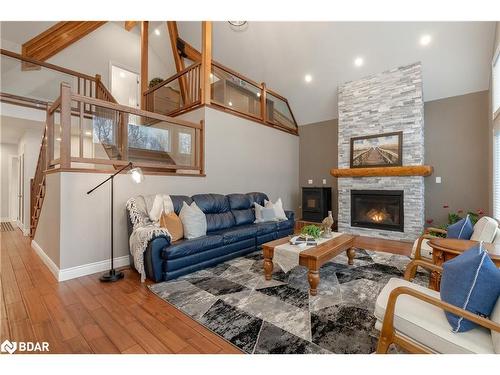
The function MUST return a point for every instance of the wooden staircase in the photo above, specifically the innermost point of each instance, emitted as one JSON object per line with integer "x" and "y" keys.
{"x": 37, "y": 186}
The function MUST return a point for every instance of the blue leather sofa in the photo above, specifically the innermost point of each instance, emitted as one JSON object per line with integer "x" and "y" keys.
{"x": 231, "y": 232}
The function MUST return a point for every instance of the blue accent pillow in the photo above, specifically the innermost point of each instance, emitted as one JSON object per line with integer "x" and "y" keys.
{"x": 462, "y": 229}
{"x": 470, "y": 281}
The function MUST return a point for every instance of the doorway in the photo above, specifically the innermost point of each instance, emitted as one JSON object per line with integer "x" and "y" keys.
{"x": 13, "y": 188}
{"x": 125, "y": 86}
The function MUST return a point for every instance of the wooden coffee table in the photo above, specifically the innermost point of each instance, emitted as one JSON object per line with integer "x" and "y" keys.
{"x": 312, "y": 258}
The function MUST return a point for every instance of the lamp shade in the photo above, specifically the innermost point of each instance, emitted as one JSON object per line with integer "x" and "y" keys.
{"x": 136, "y": 175}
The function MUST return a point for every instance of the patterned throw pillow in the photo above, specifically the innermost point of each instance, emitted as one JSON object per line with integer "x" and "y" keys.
{"x": 470, "y": 281}
{"x": 462, "y": 229}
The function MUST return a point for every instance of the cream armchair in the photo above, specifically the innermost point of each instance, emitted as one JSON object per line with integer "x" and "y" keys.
{"x": 412, "y": 316}
{"x": 486, "y": 230}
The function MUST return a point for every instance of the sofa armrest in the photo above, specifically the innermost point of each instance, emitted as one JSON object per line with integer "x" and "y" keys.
{"x": 153, "y": 262}
{"x": 290, "y": 214}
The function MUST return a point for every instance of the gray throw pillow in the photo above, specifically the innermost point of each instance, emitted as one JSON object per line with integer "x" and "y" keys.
{"x": 193, "y": 220}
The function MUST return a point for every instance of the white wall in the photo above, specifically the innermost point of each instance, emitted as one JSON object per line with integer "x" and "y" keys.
{"x": 241, "y": 156}
{"x": 6, "y": 150}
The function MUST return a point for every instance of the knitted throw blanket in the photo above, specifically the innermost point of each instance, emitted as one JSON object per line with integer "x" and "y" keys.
{"x": 144, "y": 230}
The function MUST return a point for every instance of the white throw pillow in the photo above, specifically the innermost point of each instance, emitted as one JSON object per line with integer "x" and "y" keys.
{"x": 278, "y": 208}
{"x": 263, "y": 214}
{"x": 193, "y": 220}
{"x": 495, "y": 336}
{"x": 161, "y": 204}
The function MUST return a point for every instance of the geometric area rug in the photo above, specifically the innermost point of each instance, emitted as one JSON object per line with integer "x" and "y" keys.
{"x": 234, "y": 300}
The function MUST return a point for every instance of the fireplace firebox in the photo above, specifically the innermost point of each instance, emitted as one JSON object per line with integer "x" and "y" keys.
{"x": 377, "y": 209}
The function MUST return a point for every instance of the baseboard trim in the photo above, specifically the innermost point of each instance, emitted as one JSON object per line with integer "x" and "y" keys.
{"x": 77, "y": 271}
{"x": 45, "y": 259}
{"x": 91, "y": 268}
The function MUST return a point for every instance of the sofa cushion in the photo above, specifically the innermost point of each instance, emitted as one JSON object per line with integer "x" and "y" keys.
{"x": 485, "y": 229}
{"x": 265, "y": 228}
{"x": 496, "y": 241}
{"x": 177, "y": 202}
{"x": 427, "y": 324}
{"x": 285, "y": 224}
{"x": 241, "y": 207}
{"x": 258, "y": 197}
{"x": 470, "y": 281}
{"x": 236, "y": 234}
{"x": 462, "y": 229}
{"x": 216, "y": 209}
{"x": 425, "y": 249}
{"x": 184, "y": 248}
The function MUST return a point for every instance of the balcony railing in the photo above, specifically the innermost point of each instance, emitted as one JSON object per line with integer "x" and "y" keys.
{"x": 89, "y": 133}
{"x": 229, "y": 91}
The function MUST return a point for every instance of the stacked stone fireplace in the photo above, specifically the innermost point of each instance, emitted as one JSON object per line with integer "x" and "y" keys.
{"x": 383, "y": 103}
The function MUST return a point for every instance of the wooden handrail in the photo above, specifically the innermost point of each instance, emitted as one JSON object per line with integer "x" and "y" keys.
{"x": 134, "y": 111}
{"x": 46, "y": 65}
{"x": 236, "y": 74}
{"x": 170, "y": 79}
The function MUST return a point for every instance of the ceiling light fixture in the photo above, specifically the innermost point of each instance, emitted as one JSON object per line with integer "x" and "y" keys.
{"x": 238, "y": 25}
{"x": 358, "y": 61}
{"x": 157, "y": 31}
{"x": 230, "y": 104}
{"x": 425, "y": 39}
{"x": 308, "y": 78}
{"x": 258, "y": 94}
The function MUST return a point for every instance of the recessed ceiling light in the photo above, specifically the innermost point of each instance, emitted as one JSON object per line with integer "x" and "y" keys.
{"x": 308, "y": 78}
{"x": 358, "y": 61}
{"x": 258, "y": 94}
{"x": 425, "y": 39}
{"x": 157, "y": 31}
{"x": 230, "y": 104}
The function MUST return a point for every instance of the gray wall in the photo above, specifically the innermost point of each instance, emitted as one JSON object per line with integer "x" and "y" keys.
{"x": 318, "y": 154}
{"x": 456, "y": 144}
{"x": 456, "y": 139}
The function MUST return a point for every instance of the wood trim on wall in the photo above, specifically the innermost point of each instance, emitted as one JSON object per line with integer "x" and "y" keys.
{"x": 206, "y": 61}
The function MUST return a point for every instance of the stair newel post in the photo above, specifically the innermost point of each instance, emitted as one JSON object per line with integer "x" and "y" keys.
{"x": 263, "y": 102}
{"x": 65, "y": 148}
{"x": 124, "y": 119}
{"x": 49, "y": 149}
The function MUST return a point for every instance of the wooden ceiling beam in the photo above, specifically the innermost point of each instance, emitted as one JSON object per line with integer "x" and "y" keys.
{"x": 173, "y": 34}
{"x": 58, "y": 37}
{"x": 144, "y": 61}
{"x": 129, "y": 25}
{"x": 187, "y": 50}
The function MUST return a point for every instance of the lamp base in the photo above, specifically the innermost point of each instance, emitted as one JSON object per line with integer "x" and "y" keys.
{"x": 111, "y": 275}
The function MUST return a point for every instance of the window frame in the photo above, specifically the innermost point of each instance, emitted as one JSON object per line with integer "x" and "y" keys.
{"x": 495, "y": 65}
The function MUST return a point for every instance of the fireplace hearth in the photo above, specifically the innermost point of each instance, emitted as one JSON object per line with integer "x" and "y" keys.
{"x": 378, "y": 209}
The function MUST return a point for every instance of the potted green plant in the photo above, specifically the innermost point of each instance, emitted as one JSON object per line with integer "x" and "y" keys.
{"x": 155, "y": 81}
{"x": 312, "y": 231}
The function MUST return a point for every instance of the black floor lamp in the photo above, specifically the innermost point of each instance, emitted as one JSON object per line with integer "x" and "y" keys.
{"x": 138, "y": 177}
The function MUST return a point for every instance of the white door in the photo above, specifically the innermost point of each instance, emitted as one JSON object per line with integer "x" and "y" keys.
{"x": 13, "y": 188}
{"x": 125, "y": 86}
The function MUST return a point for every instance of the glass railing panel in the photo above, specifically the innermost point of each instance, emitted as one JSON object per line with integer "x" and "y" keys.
{"x": 176, "y": 94}
{"x": 278, "y": 112}
{"x": 235, "y": 93}
{"x": 24, "y": 80}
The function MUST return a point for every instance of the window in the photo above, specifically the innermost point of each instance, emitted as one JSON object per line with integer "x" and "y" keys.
{"x": 184, "y": 143}
{"x": 496, "y": 83}
{"x": 148, "y": 138}
{"x": 496, "y": 175}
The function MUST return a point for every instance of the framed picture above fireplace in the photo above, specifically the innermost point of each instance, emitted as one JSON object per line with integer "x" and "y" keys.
{"x": 380, "y": 150}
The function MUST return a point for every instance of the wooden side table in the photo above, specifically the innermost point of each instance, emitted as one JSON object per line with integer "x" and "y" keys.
{"x": 444, "y": 249}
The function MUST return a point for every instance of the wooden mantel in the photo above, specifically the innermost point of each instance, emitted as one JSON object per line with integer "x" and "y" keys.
{"x": 413, "y": 170}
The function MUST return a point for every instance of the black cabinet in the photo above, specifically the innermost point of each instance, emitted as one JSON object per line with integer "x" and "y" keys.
{"x": 316, "y": 202}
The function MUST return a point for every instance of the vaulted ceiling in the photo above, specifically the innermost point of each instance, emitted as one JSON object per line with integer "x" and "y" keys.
{"x": 455, "y": 62}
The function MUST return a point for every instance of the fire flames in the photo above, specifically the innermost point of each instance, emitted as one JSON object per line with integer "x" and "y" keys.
{"x": 377, "y": 216}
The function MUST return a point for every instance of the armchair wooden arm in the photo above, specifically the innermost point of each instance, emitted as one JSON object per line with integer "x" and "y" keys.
{"x": 411, "y": 268}
{"x": 435, "y": 230}
{"x": 388, "y": 335}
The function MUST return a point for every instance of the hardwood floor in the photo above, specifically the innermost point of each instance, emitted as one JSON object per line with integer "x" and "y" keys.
{"x": 85, "y": 316}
